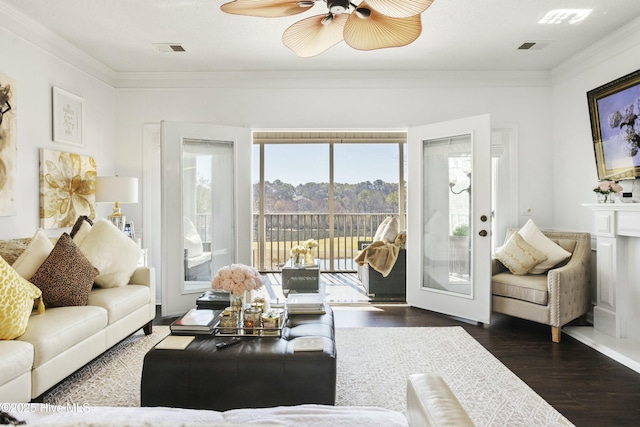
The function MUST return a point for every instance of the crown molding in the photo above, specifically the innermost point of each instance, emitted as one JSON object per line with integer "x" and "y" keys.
{"x": 615, "y": 44}
{"x": 333, "y": 79}
{"x": 34, "y": 33}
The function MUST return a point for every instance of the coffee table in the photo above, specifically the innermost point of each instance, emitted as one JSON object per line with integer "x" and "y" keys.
{"x": 258, "y": 372}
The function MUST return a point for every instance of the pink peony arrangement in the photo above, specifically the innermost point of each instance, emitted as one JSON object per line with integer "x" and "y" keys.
{"x": 606, "y": 187}
{"x": 236, "y": 279}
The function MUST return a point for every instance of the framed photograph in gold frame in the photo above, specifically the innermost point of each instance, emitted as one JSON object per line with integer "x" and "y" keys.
{"x": 614, "y": 110}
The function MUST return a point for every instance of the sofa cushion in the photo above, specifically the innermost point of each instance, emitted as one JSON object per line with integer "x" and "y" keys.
{"x": 66, "y": 276}
{"x": 34, "y": 255}
{"x": 380, "y": 230}
{"x": 518, "y": 255}
{"x": 17, "y": 296}
{"x": 391, "y": 231}
{"x": 16, "y": 358}
{"x": 121, "y": 300}
{"x": 10, "y": 250}
{"x": 112, "y": 252}
{"x": 531, "y": 288}
{"x": 554, "y": 253}
{"x": 60, "y": 328}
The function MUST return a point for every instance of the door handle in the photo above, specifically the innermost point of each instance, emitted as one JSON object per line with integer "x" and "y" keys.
{"x": 482, "y": 233}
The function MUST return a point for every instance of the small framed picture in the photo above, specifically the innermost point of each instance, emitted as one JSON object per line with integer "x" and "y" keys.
{"x": 129, "y": 230}
{"x": 68, "y": 118}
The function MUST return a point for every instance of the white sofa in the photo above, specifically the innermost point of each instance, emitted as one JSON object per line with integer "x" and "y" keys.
{"x": 63, "y": 339}
{"x": 430, "y": 402}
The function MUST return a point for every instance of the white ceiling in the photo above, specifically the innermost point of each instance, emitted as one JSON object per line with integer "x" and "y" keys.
{"x": 457, "y": 35}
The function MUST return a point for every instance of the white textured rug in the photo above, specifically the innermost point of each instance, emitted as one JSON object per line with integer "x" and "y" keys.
{"x": 373, "y": 367}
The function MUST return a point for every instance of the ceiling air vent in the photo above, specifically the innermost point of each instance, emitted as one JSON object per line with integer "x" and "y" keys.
{"x": 169, "y": 47}
{"x": 534, "y": 45}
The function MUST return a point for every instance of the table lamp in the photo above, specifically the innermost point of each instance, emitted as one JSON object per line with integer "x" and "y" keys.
{"x": 117, "y": 189}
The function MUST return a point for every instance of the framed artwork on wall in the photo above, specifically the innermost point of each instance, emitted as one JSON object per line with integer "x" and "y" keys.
{"x": 67, "y": 188}
{"x": 68, "y": 118}
{"x": 8, "y": 145}
{"x": 614, "y": 110}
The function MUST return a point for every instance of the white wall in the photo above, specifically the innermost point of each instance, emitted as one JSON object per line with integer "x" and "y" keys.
{"x": 36, "y": 72}
{"x": 357, "y": 102}
{"x": 573, "y": 159}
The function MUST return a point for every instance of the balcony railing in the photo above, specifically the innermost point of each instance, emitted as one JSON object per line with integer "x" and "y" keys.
{"x": 337, "y": 238}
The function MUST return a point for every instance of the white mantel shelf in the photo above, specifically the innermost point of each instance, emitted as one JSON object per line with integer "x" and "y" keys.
{"x": 616, "y": 314}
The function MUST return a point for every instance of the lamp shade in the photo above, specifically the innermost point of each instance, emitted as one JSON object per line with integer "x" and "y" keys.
{"x": 118, "y": 189}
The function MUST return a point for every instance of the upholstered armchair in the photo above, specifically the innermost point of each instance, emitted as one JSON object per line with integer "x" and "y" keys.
{"x": 554, "y": 298}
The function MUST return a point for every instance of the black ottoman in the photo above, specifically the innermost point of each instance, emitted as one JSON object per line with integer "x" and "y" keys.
{"x": 258, "y": 372}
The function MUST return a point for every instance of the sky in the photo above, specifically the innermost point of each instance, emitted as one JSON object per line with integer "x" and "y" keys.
{"x": 302, "y": 163}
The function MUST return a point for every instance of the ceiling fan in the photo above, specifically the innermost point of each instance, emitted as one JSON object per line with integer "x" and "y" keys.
{"x": 372, "y": 24}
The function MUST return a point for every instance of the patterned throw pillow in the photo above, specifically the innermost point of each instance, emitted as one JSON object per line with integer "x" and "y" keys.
{"x": 518, "y": 255}
{"x": 16, "y": 302}
{"x": 66, "y": 276}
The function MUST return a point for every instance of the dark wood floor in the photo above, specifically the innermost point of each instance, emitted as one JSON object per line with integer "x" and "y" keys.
{"x": 587, "y": 387}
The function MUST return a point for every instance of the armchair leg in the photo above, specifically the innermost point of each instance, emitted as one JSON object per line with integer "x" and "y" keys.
{"x": 555, "y": 333}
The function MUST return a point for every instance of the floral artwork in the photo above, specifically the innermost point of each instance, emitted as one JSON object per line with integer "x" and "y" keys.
{"x": 237, "y": 279}
{"x": 8, "y": 147}
{"x": 67, "y": 188}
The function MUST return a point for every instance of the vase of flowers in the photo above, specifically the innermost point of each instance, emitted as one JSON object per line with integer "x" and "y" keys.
{"x": 297, "y": 254}
{"x": 605, "y": 191}
{"x": 309, "y": 257}
{"x": 239, "y": 280}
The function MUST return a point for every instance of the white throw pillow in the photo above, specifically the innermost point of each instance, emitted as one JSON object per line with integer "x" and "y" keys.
{"x": 82, "y": 233}
{"x": 518, "y": 255}
{"x": 555, "y": 254}
{"x": 34, "y": 255}
{"x": 112, "y": 252}
{"x": 391, "y": 231}
{"x": 380, "y": 231}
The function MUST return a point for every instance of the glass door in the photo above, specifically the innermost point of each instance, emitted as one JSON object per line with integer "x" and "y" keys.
{"x": 206, "y": 208}
{"x": 448, "y": 245}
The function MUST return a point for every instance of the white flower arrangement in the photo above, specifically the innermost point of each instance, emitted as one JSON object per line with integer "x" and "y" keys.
{"x": 298, "y": 250}
{"x": 237, "y": 279}
{"x": 310, "y": 244}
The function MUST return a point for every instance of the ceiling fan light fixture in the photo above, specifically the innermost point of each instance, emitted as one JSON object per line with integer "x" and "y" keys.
{"x": 363, "y": 12}
{"x": 338, "y": 6}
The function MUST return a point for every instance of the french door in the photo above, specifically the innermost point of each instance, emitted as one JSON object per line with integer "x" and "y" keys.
{"x": 206, "y": 207}
{"x": 449, "y": 218}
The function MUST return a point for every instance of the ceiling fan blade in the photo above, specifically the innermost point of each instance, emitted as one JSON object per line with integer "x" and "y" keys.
{"x": 400, "y": 8}
{"x": 377, "y": 31}
{"x": 310, "y": 37}
{"x": 267, "y": 8}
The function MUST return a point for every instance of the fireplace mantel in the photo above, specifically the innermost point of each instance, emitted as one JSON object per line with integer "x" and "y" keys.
{"x": 616, "y": 314}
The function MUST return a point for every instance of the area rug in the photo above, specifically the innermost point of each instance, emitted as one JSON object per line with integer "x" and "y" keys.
{"x": 373, "y": 367}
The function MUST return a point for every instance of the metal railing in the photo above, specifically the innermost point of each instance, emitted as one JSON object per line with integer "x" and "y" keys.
{"x": 338, "y": 244}
{"x": 337, "y": 239}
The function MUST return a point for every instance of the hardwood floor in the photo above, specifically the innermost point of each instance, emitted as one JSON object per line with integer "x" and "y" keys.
{"x": 585, "y": 386}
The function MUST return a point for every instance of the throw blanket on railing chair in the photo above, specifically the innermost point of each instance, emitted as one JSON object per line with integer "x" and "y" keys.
{"x": 381, "y": 255}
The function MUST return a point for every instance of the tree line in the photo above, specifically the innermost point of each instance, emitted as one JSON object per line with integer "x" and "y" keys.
{"x": 281, "y": 197}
